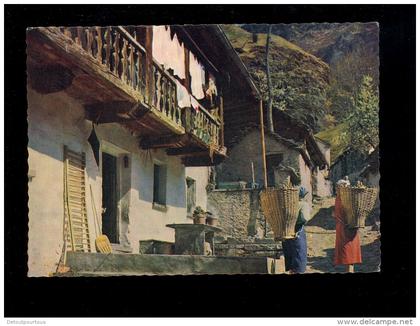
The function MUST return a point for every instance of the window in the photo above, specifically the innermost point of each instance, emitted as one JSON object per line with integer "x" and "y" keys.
{"x": 273, "y": 161}
{"x": 191, "y": 196}
{"x": 159, "y": 184}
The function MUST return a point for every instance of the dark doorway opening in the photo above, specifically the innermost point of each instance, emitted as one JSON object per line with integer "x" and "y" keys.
{"x": 109, "y": 197}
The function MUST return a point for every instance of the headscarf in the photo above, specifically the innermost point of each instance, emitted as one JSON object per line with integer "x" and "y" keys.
{"x": 302, "y": 192}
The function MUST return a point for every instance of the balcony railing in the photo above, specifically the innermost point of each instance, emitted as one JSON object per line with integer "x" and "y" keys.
{"x": 204, "y": 126}
{"x": 164, "y": 96}
{"x": 116, "y": 49}
{"x": 125, "y": 58}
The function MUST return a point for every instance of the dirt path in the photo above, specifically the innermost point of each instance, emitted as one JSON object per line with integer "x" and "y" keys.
{"x": 320, "y": 232}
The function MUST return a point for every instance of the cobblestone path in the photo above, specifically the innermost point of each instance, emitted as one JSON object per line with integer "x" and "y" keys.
{"x": 321, "y": 242}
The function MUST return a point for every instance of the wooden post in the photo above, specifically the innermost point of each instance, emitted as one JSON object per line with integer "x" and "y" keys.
{"x": 222, "y": 124}
{"x": 253, "y": 173}
{"x": 263, "y": 145}
{"x": 187, "y": 80}
{"x": 149, "y": 65}
{"x": 263, "y": 157}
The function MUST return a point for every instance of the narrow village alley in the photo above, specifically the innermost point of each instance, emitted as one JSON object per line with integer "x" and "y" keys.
{"x": 320, "y": 232}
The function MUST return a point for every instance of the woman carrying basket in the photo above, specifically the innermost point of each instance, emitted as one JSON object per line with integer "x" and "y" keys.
{"x": 347, "y": 241}
{"x": 295, "y": 250}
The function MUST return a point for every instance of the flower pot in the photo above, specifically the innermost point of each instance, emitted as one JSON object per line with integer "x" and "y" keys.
{"x": 211, "y": 221}
{"x": 200, "y": 219}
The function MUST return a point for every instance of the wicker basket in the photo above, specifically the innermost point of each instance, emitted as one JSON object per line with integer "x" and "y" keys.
{"x": 357, "y": 203}
{"x": 281, "y": 207}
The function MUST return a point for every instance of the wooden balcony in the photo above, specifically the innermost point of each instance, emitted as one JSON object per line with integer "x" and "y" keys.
{"x": 109, "y": 72}
{"x": 117, "y": 80}
{"x": 201, "y": 145}
{"x": 207, "y": 135}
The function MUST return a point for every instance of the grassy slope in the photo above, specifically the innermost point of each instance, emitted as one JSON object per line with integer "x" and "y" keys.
{"x": 301, "y": 67}
{"x": 238, "y": 37}
{"x": 301, "y": 76}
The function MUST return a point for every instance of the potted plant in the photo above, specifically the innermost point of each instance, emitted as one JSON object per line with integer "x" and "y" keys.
{"x": 211, "y": 219}
{"x": 199, "y": 216}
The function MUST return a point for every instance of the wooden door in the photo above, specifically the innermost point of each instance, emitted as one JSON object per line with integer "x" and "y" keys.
{"x": 110, "y": 197}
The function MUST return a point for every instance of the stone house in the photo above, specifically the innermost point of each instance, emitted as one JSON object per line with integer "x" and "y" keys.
{"x": 123, "y": 123}
{"x": 349, "y": 163}
{"x": 295, "y": 154}
{"x": 370, "y": 176}
{"x": 322, "y": 185}
{"x": 370, "y": 173}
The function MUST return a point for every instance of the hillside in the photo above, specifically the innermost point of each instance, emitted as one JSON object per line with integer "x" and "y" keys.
{"x": 351, "y": 50}
{"x": 328, "y": 41}
{"x": 300, "y": 79}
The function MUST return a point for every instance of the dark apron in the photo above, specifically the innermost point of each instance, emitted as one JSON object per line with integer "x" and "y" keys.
{"x": 295, "y": 252}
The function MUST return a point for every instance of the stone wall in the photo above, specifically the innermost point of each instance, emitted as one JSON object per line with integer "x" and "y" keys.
{"x": 249, "y": 247}
{"x": 238, "y": 212}
{"x": 96, "y": 264}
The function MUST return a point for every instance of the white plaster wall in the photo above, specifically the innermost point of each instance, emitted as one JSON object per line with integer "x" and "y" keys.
{"x": 323, "y": 187}
{"x": 201, "y": 177}
{"x": 325, "y": 149}
{"x": 306, "y": 178}
{"x": 56, "y": 120}
{"x": 52, "y": 122}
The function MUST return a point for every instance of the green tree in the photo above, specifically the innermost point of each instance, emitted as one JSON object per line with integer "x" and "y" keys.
{"x": 363, "y": 123}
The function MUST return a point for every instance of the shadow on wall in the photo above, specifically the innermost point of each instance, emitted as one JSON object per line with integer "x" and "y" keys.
{"x": 58, "y": 119}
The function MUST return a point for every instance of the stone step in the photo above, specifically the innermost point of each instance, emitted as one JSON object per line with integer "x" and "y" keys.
{"x": 135, "y": 264}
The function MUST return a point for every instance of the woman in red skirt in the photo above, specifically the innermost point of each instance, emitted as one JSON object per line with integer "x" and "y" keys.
{"x": 347, "y": 241}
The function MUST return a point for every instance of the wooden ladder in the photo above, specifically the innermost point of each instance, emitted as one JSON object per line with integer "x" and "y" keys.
{"x": 76, "y": 227}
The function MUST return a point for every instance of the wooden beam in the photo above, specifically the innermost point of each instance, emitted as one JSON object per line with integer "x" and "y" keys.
{"x": 187, "y": 80}
{"x": 163, "y": 142}
{"x": 222, "y": 127}
{"x": 203, "y": 161}
{"x": 187, "y": 151}
{"x": 69, "y": 51}
{"x": 117, "y": 111}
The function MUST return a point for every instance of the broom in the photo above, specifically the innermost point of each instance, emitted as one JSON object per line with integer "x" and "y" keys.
{"x": 101, "y": 242}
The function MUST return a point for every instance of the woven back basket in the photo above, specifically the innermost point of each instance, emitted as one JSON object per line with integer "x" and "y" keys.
{"x": 357, "y": 203}
{"x": 281, "y": 207}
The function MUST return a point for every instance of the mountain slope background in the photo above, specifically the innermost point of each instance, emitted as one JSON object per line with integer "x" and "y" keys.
{"x": 317, "y": 70}
{"x": 300, "y": 79}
